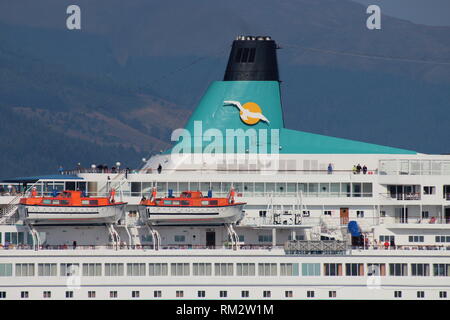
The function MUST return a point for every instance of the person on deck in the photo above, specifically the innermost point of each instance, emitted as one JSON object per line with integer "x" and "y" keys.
{"x": 330, "y": 168}
{"x": 159, "y": 168}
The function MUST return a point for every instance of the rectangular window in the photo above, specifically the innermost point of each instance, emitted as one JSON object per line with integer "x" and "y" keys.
{"x": 327, "y": 212}
{"x": 180, "y": 238}
{"x": 201, "y": 294}
{"x": 91, "y": 294}
{"x": 333, "y": 269}
{"x": 265, "y": 238}
{"x": 420, "y": 294}
{"x": 2, "y": 294}
{"x": 113, "y": 294}
{"x": 267, "y": 269}
{"x": 354, "y": 269}
{"x": 398, "y": 269}
{"x": 441, "y": 270}
{"x": 114, "y": 269}
{"x": 332, "y": 294}
{"x": 24, "y": 269}
{"x": 288, "y": 269}
{"x": 46, "y": 294}
{"x": 442, "y": 294}
{"x": 266, "y": 294}
{"x": 92, "y": 269}
{"x": 157, "y": 294}
{"x": 136, "y": 269}
{"x": 69, "y": 294}
{"x": 397, "y": 294}
{"x": 359, "y": 214}
{"x": 223, "y": 294}
{"x": 5, "y": 269}
{"x": 245, "y": 269}
{"x": 420, "y": 269}
{"x": 388, "y": 239}
{"x": 135, "y": 294}
{"x": 416, "y": 238}
{"x": 179, "y": 294}
{"x": 310, "y": 269}
{"x": 310, "y": 294}
{"x": 367, "y": 190}
{"x": 245, "y": 294}
{"x": 288, "y": 294}
{"x": 223, "y": 269}
{"x": 158, "y": 269}
{"x": 47, "y": 269}
{"x": 376, "y": 269}
{"x": 24, "y": 294}
{"x": 179, "y": 269}
{"x": 429, "y": 190}
{"x": 69, "y": 269}
{"x": 201, "y": 269}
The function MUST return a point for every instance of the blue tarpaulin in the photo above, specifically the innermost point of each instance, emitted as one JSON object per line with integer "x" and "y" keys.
{"x": 354, "y": 229}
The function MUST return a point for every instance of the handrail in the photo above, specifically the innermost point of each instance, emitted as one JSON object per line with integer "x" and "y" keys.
{"x": 151, "y": 171}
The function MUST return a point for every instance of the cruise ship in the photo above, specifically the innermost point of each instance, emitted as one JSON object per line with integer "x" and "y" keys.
{"x": 239, "y": 208}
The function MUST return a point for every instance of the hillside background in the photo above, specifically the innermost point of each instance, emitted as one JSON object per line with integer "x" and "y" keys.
{"x": 115, "y": 90}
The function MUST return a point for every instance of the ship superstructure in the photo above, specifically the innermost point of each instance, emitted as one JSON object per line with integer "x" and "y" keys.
{"x": 324, "y": 217}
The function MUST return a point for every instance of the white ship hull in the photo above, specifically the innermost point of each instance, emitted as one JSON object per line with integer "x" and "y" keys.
{"x": 38, "y": 214}
{"x": 165, "y": 215}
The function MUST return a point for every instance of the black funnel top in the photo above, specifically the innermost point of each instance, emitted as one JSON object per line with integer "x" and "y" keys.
{"x": 252, "y": 58}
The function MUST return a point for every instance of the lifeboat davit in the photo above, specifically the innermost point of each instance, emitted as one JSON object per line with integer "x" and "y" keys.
{"x": 191, "y": 207}
{"x": 70, "y": 207}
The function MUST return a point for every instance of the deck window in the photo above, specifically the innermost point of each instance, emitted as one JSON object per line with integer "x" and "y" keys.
{"x": 47, "y": 269}
{"x": 136, "y": 269}
{"x": 376, "y": 269}
{"x": 24, "y": 269}
{"x": 158, "y": 269}
{"x": 288, "y": 269}
{"x": 245, "y": 269}
{"x": 354, "y": 269}
{"x": 398, "y": 269}
{"x": 223, "y": 269}
{"x": 5, "y": 269}
{"x": 201, "y": 269}
{"x": 441, "y": 270}
{"x": 310, "y": 269}
{"x": 267, "y": 269}
{"x": 114, "y": 269}
{"x": 179, "y": 269}
{"x": 93, "y": 202}
{"x": 92, "y": 269}
{"x": 420, "y": 269}
{"x": 333, "y": 269}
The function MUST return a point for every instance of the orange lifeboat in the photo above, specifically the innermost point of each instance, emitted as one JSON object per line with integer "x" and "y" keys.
{"x": 191, "y": 207}
{"x": 70, "y": 207}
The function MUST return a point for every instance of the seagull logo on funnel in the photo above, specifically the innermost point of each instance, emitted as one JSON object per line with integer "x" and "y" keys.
{"x": 250, "y": 112}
